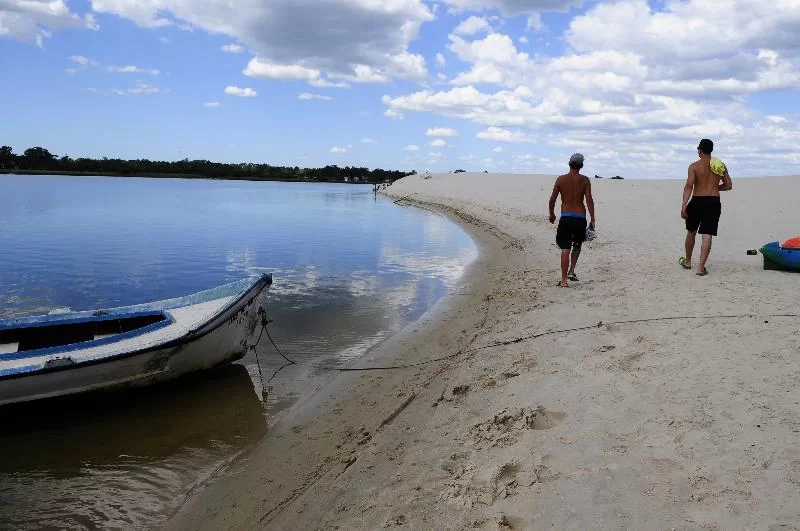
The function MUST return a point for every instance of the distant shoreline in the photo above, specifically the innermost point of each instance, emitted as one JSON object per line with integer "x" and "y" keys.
{"x": 166, "y": 176}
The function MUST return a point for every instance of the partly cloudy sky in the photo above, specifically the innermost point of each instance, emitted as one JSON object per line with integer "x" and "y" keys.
{"x": 497, "y": 85}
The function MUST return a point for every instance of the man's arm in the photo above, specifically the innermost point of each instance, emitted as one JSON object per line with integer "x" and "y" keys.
{"x": 590, "y": 201}
{"x": 687, "y": 191}
{"x": 727, "y": 183}
{"x": 553, "y": 198}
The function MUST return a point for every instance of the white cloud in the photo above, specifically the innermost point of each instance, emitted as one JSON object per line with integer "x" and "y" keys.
{"x": 90, "y": 22}
{"x": 240, "y": 92}
{"x": 310, "y": 96}
{"x": 510, "y": 8}
{"x": 393, "y": 114}
{"x": 140, "y": 88}
{"x": 71, "y": 71}
{"x": 324, "y": 83}
{"x": 144, "y": 12}
{"x": 35, "y": 20}
{"x": 535, "y": 22}
{"x": 438, "y": 143}
{"x": 441, "y": 131}
{"x": 83, "y": 61}
{"x": 211, "y": 104}
{"x": 232, "y": 48}
{"x": 163, "y": 40}
{"x": 435, "y": 154}
{"x": 343, "y": 149}
{"x": 499, "y": 134}
{"x": 498, "y": 149}
{"x": 411, "y": 147}
{"x": 261, "y": 69}
{"x": 494, "y": 59}
{"x": 364, "y": 74}
{"x": 130, "y": 69}
{"x": 368, "y": 141}
{"x": 523, "y": 40}
{"x": 348, "y": 35}
{"x": 440, "y": 60}
{"x": 472, "y": 26}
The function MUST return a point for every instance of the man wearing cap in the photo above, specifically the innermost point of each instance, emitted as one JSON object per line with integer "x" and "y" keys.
{"x": 571, "y": 233}
{"x": 707, "y": 178}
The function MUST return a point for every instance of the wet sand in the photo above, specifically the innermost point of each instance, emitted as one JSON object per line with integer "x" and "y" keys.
{"x": 685, "y": 418}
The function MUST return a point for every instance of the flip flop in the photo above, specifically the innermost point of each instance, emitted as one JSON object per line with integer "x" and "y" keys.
{"x": 682, "y": 262}
{"x": 573, "y": 277}
{"x": 702, "y": 273}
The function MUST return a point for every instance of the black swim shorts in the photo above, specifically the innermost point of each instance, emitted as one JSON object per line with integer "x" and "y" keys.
{"x": 702, "y": 214}
{"x": 571, "y": 232}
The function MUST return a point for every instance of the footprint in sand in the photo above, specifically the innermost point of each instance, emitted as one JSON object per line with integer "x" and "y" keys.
{"x": 483, "y": 487}
{"x": 505, "y": 427}
{"x": 458, "y": 392}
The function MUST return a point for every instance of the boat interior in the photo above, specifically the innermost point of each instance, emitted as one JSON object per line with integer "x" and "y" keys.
{"x": 47, "y": 335}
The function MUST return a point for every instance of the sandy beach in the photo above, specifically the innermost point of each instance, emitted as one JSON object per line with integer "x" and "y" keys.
{"x": 674, "y": 405}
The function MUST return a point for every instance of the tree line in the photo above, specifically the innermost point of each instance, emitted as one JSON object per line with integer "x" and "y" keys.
{"x": 41, "y": 160}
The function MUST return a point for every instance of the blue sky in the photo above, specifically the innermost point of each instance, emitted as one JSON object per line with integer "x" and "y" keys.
{"x": 498, "y": 85}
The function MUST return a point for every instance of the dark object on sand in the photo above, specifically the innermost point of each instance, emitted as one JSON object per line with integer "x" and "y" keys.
{"x": 597, "y": 177}
{"x": 752, "y": 252}
{"x": 617, "y": 177}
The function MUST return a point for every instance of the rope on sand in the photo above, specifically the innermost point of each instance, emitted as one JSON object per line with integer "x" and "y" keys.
{"x": 289, "y": 361}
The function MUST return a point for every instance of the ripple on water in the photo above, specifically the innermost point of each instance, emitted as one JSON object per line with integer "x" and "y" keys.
{"x": 90, "y": 462}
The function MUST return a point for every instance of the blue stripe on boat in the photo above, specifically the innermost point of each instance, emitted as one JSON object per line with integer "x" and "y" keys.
{"x": 19, "y": 370}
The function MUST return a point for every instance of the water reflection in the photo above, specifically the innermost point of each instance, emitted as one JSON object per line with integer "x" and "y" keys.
{"x": 350, "y": 269}
{"x": 96, "y": 461}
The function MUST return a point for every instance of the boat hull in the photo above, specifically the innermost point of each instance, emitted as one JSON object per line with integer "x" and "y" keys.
{"x": 222, "y": 339}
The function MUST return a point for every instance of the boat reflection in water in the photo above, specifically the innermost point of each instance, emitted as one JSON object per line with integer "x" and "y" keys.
{"x": 124, "y": 459}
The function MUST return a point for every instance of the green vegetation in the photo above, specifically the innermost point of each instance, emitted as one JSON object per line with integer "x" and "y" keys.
{"x": 40, "y": 160}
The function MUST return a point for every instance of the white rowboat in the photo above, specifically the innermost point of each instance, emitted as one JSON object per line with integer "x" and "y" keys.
{"x": 77, "y": 352}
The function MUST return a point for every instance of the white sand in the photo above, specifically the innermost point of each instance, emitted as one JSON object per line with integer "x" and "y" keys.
{"x": 681, "y": 423}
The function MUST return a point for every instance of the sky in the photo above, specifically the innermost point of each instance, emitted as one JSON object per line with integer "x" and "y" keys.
{"x": 429, "y": 85}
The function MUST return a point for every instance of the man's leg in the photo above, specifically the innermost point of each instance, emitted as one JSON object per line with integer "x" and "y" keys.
{"x": 705, "y": 250}
{"x": 689, "y": 246}
{"x": 576, "y": 252}
{"x": 564, "y": 267}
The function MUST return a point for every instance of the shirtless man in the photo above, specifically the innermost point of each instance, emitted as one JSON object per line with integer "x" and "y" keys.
{"x": 571, "y": 232}
{"x": 703, "y": 211}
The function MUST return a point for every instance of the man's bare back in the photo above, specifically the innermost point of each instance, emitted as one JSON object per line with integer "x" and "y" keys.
{"x": 706, "y": 182}
{"x": 573, "y": 187}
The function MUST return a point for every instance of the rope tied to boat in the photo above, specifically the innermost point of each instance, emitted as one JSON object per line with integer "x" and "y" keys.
{"x": 265, "y": 322}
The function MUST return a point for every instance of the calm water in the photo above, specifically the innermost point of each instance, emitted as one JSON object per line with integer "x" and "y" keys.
{"x": 349, "y": 270}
